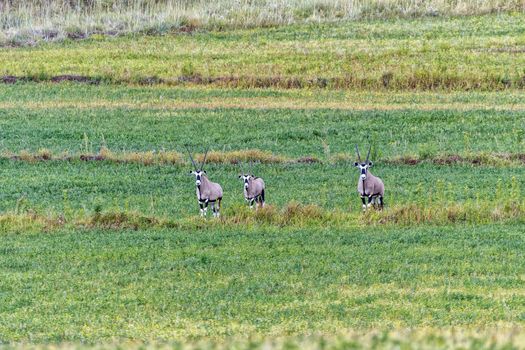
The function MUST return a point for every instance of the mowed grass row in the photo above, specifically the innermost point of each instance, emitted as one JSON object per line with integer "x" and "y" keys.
{"x": 93, "y": 286}
{"x": 433, "y": 53}
{"x": 85, "y": 188}
{"x": 99, "y": 116}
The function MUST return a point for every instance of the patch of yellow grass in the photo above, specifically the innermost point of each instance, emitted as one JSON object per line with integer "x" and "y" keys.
{"x": 236, "y": 157}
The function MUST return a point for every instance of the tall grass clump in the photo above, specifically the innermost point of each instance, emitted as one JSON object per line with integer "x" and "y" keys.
{"x": 26, "y": 22}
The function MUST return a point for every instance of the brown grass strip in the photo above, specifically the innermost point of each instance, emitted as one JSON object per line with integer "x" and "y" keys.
{"x": 167, "y": 157}
{"x": 476, "y": 212}
{"x": 292, "y": 214}
{"x": 416, "y": 82}
{"x": 151, "y": 158}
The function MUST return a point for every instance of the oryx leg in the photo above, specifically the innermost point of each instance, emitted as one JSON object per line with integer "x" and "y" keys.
{"x": 219, "y": 207}
{"x": 251, "y": 203}
{"x": 373, "y": 201}
{"x": 381, "y": 202}
{"x": 262, "y": 199}
{"x": 370, "y": 201}
{"x": 205, "y": 207}
{"x": 363, "y": 199}
{"x": 213, "y": 209}
{"x": 201, "y": 205}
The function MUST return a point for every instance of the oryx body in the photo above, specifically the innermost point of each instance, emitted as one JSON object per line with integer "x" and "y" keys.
{"x": 369, "y": 186}
{"x": 207, "y": 192}
{"x": 253, "y": 190}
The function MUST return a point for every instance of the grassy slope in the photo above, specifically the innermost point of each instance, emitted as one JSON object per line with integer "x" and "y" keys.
{"x": 471, "y": 52}
{"x": 95, "y": 285}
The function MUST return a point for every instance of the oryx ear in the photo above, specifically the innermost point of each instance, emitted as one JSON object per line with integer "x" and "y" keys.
{"x": 191, "y": 172}
{"x": 240, "y": 176}
{"x": 356, "y": 164}
{"x": 204, "y": 171}
{"x": 370, "y": 163}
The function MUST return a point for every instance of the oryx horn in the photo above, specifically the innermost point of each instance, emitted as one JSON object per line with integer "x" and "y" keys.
{"x": 368, "y": 155}
{"x": 357, "y": 151}
{"x": 204, "y": 159}
{"x": 191, "y": 158}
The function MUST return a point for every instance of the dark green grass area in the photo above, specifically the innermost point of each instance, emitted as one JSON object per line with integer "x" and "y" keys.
{"x": 60, "y": 186}
{"x": 284, "y": 131}
{"x": 98, "y": 285}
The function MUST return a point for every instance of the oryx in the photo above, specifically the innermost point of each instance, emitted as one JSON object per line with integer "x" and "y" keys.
{"x": 253, "y": 189}
{"x": 369, "y": 186}
{"x": 207, "y": 191}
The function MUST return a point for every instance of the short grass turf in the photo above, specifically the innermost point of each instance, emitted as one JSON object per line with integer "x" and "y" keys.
{"x": 94, "y": 286}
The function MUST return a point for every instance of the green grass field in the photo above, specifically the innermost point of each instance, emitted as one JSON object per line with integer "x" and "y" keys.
{"x": 443, "y": 53}
{"x": 89, "y": 286}
{"x": 110, "y": 251}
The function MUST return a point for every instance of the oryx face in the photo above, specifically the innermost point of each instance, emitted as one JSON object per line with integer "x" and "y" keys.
{"x": 363, "y": 168}
{"x": 198, "y": 176}
{"x": 246, "y": 179}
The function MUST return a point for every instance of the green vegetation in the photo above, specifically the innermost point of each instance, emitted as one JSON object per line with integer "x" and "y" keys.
{"x": 462, "y": 53}
{"x": 169, "y": 191}
{"x": 101, "y": 240}
{"x": 87, "y": 123}
{"x": 94, "y": 286}
{"x": 113, "y": 250}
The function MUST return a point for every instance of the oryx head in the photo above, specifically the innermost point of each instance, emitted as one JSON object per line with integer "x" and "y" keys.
{"x": 363, "y": 166}
{"x": 246, "y": 177}
{"x": 198, "y": 170}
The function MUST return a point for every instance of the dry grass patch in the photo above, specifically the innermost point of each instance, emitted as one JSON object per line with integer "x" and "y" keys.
{"x": 26, "y": 22}
{"x": 293, "y": 214}
{"x": 470, "y": 212}
{"x": 235, "y": 157}
{"x": 481, "y": 159}
{"x": 166, "y": 157}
